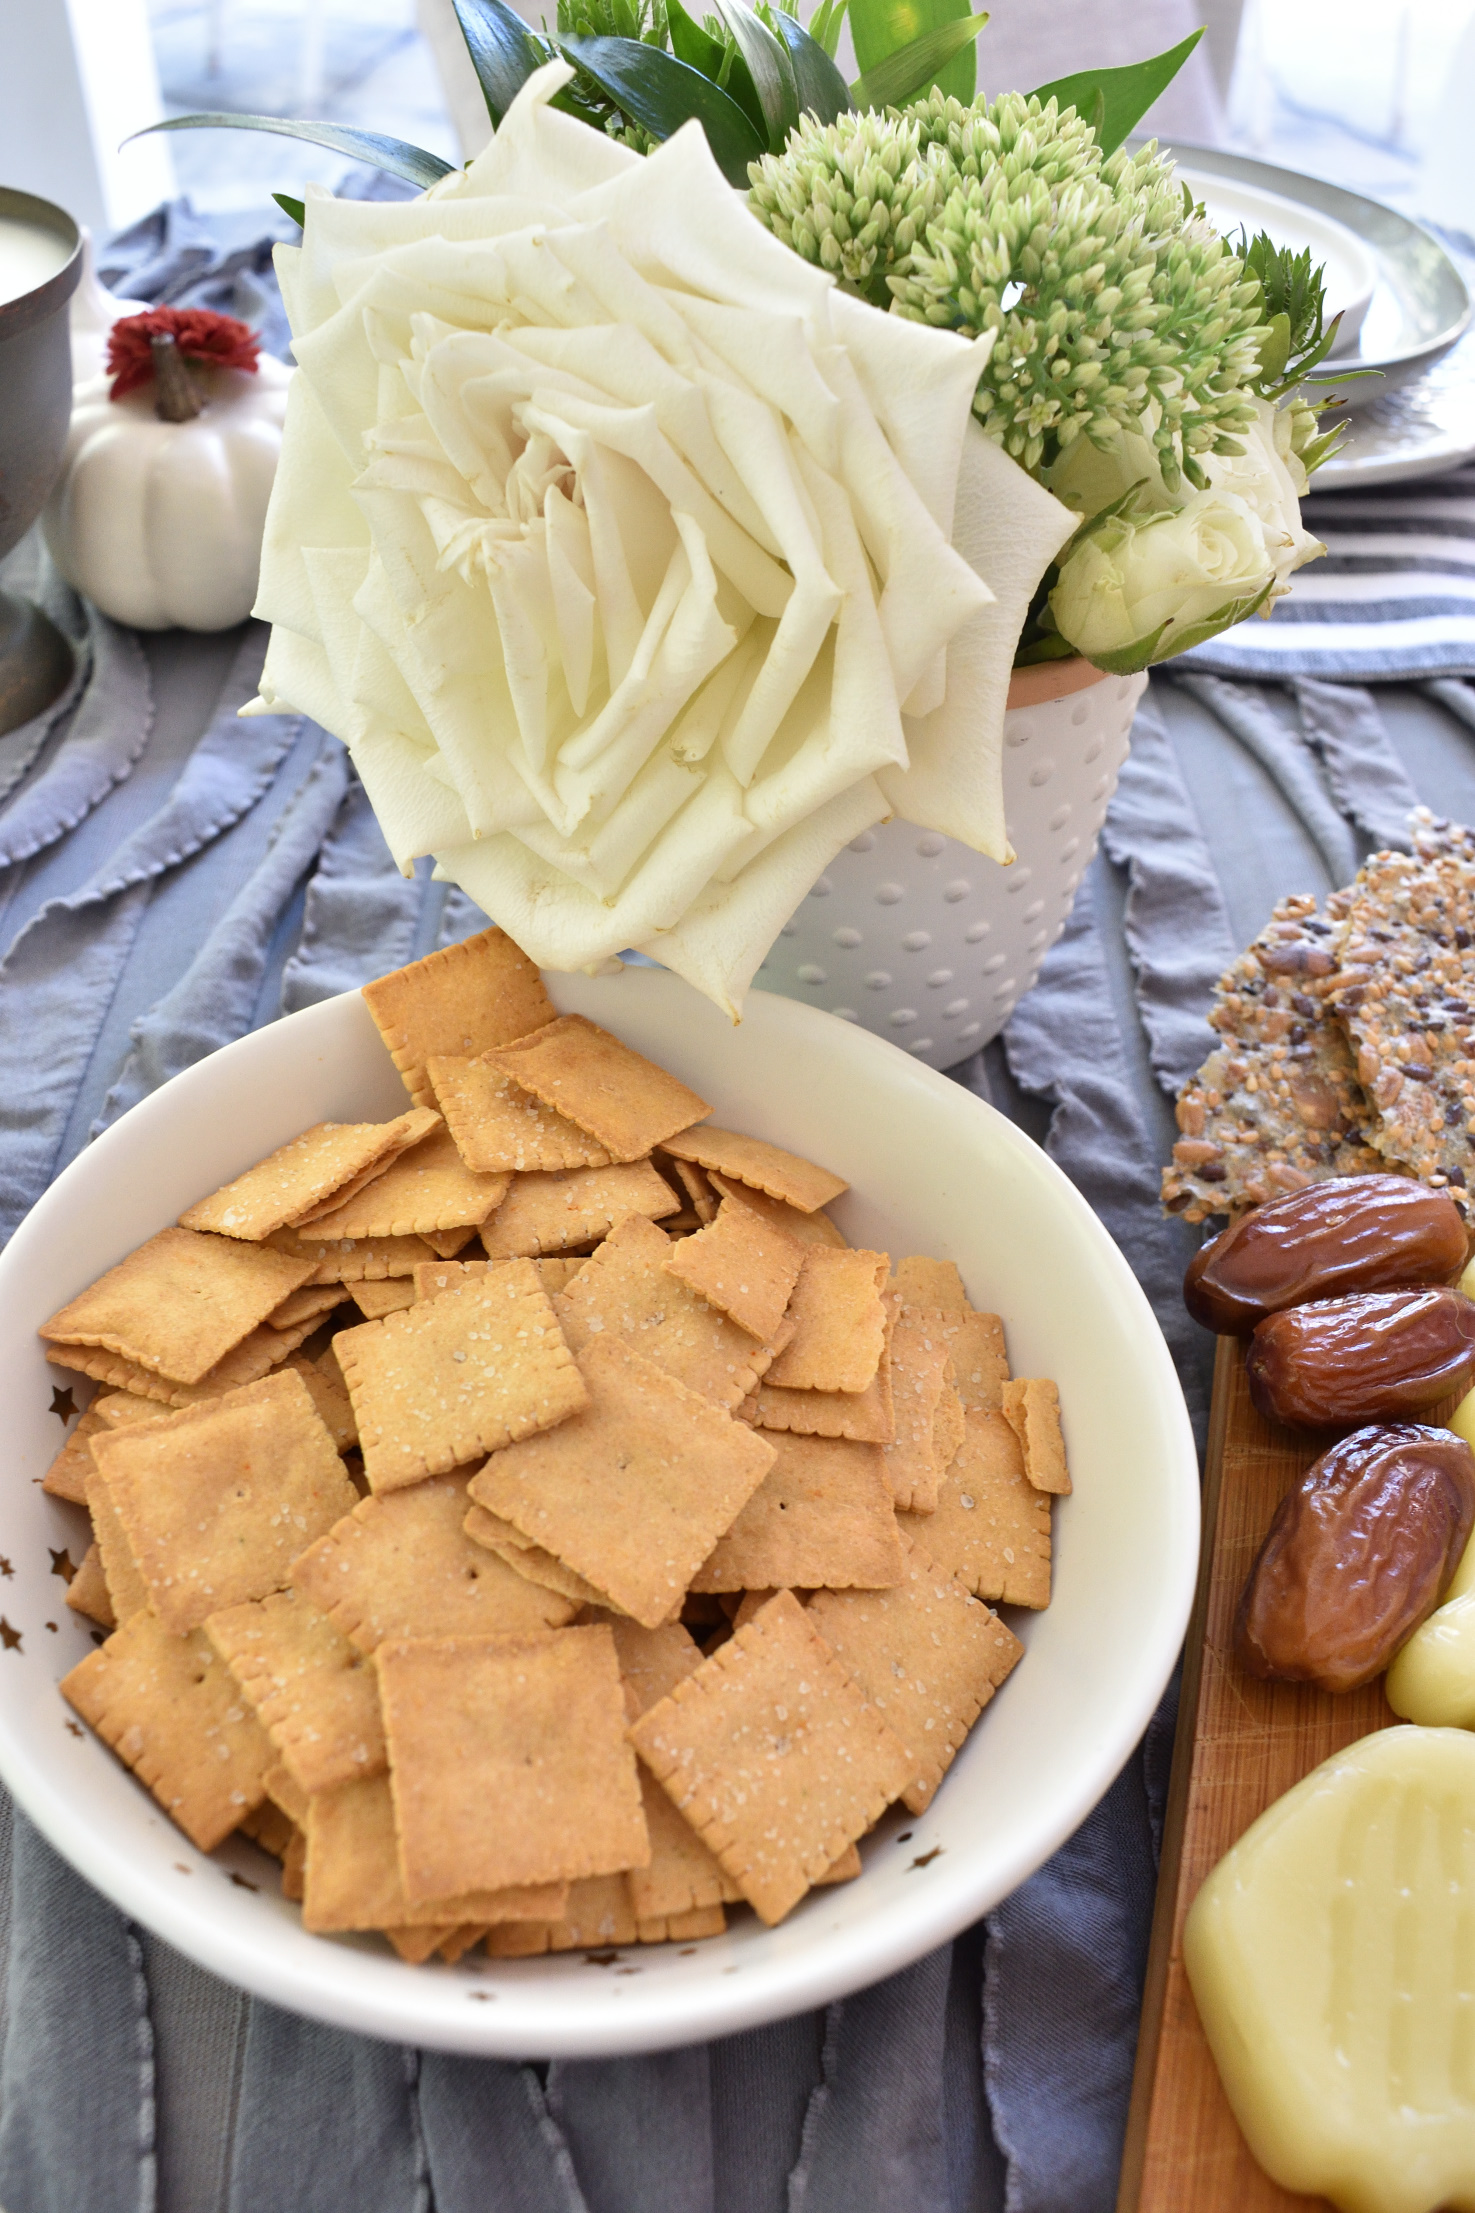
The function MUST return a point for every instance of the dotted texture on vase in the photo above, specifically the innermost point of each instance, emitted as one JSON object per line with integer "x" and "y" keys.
{"x": 924, "y": 941}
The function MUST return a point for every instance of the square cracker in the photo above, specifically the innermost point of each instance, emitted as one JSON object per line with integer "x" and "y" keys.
{"x": 822, "y": 1516}
{"x": 975, "y": 1343}
{"x": 216, "y": 1501}
{"x": 798, "y": 1183}
{"x": 428, "y": 1188}
{"x": 742, "y": 1265}
{"x": 446, "y": 1243}
{"x": 928, "y": 1655}
{"x": 375, "y": 1300}
{"x": 171, "y": 1711}
{"x": 87, "y": 1593}
{"x": 484, "y": 991}
{"x": 353, "y": 1260}
{"x": 128, "y": 1594}
{"x": 67, "y": 1475}
{"x": 839, "y": 1322}
{"x": 313, "y": 1170}
{"x": 949, "y": 1427}
{"x": 498, "y": 1126}
{"x": 810, "y": 1229}
{"x": 921, "y": 1281}
{"x": 508, "y": 1761}
{"x": 179, "y": 1303}
{"x": 316, "y": 1697}
{"x": 634, "y": 1491}
{"x": 1032, "y": 1410}
{"x": 599, "y": 1914}
{"x": 458, "y": 1375}
{"x": 866, "y": 1417}
{"x": 524, "y": 1558}
{"x": 774, "y": 1755}
{"x": 919, "y": 1360}
{"x": 543, "y": 1214}
{"x": 310, "y": 1304}
{"x": 991, "y": 1527}
{"x": 694, "y": 1181}
{"x": 402, "y": 1566}
{"x": 622, "y": 1100}
{"x": 323, "y": 1379}
{"x": 623, "y": 1293}
{"x": 353, "y": 1880}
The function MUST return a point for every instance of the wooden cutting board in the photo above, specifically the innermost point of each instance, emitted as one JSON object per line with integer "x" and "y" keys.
{"x": 1240, "y": 1745}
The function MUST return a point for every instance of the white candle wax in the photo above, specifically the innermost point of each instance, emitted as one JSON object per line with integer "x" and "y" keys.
{"x": 28, "y": 256}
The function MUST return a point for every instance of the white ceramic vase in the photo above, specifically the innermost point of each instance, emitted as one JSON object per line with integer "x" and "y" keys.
{"x": 924, "y": 941}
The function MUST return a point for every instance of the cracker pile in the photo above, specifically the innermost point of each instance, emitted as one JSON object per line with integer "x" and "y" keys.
{"x": 528, "y": 1518}
{"x": 1348, "y": 1040}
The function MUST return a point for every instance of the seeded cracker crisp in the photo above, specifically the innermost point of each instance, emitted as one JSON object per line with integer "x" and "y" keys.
{"x": 991, "y": 1527}
{"x": 314, "y": 1170}
{"x": 623, "y": 1101}
{"x": 179, "y": 1303}
{"x": 354, "y": 1880}
{"x": 1032, "y": 1410}
{"x": 549, "y": 1213}
{"x": 634, "y": 1490}
{"x": 839, "y": 1322}
{"x": 402, "y": 1566}
{"x": 315, "y": 1696}
{"x": 742, "y": 1264}
{"x": 811, "y": 1229}
{"x": 768, "y": 1168}
{"x": 218, "y": 1500}
{"x": 427, "y": 1189}
{"x": 170, "y": 1710}
{"x": 499, "y": 1126}
{"x": 774, "y": 1755}
{"x": 533, "y": 1727}
{"x": 524, "y": 1558}
{"x": 822, "y": 1516}
{"x": 456, "y": 1376}
{"x": 1278, "y": 1105}
{"x": 624, "y": 1291}
{"x": 484, "y": 991}
{"x": 1405, "y": 991}
{"x": 928, "y": 1655}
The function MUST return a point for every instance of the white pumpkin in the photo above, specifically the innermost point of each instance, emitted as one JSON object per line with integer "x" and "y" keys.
{"x": 159, "y": 523}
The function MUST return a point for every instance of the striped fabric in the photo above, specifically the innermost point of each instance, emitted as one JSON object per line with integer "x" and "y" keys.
{"x": 1393, "y": 598}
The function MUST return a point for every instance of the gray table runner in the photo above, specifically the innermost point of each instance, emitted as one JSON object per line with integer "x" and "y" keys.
{"x": 170, "y": 878}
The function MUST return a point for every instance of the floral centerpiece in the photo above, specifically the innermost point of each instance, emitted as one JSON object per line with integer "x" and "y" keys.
{"x": 647, "y": 540}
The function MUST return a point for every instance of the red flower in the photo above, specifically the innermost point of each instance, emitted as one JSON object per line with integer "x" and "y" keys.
{"x": 218, "y": 341}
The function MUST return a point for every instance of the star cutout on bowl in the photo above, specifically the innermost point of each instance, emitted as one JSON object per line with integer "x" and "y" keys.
{"x": 63, "y": 1403}
{"x": 5, "y": 1566}
{"x": 62, "y": 1564}
{"x": 9, "y": 1638}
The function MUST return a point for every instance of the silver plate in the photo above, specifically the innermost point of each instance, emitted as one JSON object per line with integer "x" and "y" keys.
{"x": 1419, "y": 419}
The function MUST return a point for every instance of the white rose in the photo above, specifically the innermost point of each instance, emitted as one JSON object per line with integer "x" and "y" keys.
{"x": 1170, "y": 573}
{"x": 1269, "y": 478}
{"x": 616, "y": 543}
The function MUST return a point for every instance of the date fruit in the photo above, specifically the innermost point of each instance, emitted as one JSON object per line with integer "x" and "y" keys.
{"x": 1354, "y": 1233}
{"x": 1359, "y": 1553}
{"x": 1377, "y": 1356}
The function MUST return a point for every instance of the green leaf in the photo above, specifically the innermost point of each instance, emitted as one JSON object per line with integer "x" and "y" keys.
{"x": 691, "y": 44}
{"x": 884, "y": 29}
{"x": 661, "y": 93}
{"x": 1125, "y": 94}
{"x": 769, "y": 67}
{"x": 503, "y": 51}
{"x": 291, "y": 207}
{"x": 825, "y": 23}
{"x": 821, "y": 88}
{"x": 907, "y": 72}
{"x": 392, "y": 155}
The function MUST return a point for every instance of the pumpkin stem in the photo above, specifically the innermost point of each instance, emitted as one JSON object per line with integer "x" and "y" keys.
{"x": 176, "y": 396}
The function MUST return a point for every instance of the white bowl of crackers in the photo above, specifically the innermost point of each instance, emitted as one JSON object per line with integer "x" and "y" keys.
{"x": 555, "y": 1526}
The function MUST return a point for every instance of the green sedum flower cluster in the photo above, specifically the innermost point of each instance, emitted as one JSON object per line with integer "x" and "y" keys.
{"x": 1115, "y": 306}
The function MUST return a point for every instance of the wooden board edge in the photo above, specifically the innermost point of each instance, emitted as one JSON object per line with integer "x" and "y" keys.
{"x": 1175, "y": 1812}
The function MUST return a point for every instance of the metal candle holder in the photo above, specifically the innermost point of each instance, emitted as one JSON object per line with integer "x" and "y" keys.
{"x": 35, "y": 409}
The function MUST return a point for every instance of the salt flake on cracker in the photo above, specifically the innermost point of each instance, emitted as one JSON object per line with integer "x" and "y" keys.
{"x": 621, "y": 1099}
{"x": 775, "y": 1756}
{"x": 508, "y": 1761}
{"x": 633, "y": 1491}
{"x": 457, "y": 1375}
{"x": 484, "y": 991}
